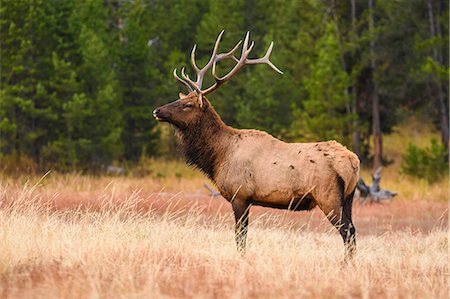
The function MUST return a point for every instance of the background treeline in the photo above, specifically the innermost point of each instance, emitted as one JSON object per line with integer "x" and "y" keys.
{"x": 79, "y": 79}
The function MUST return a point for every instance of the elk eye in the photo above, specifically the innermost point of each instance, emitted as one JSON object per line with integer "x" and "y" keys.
{"x": 188, "y": 105}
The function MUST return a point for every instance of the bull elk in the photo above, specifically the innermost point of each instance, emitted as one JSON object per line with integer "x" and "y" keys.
{"x": 251, "y": 167}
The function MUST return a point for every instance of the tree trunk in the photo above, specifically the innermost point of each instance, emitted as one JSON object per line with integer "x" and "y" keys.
{"x": 348, "y": 89}
{"x": 376, "y": 127}
{"x": 437, "y": 56}
{"x": 356, "y": 136}
{"x": 121, "y": 27}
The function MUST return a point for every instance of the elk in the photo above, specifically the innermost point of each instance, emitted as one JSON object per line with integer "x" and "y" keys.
{"x": 251, "y": 167}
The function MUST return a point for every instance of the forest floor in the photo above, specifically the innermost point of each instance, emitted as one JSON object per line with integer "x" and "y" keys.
{"x": 71, "y": 236}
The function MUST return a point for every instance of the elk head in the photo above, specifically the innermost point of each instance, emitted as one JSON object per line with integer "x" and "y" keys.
{"x": 182, "y": 112}
{"x": 188, "y": 109}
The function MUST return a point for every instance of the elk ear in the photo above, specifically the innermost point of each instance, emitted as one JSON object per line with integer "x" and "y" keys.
{"x": 200, "y": 100}
{"x": 182, "y": 95}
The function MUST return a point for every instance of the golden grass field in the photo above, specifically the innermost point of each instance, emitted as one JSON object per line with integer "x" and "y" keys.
{"x": 70, "y": 236}
{"x": 74, "y": 236}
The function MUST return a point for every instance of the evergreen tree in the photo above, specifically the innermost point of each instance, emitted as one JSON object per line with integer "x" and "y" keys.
{"x": 28, "y": 116}
{"x": 93, "y": 115}
{"x": 323, "y": 114}
{"x": 79, "y": 79}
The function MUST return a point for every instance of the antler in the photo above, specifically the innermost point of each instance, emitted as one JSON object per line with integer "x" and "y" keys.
{"x": 181, "y": 80}
{"x": 215, "y": 58}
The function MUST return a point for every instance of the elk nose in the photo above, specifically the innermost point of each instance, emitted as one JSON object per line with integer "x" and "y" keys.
{"x": 155, "y": 112}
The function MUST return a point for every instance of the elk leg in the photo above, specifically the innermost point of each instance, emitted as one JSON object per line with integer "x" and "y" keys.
{"x": 350, "y": 230}
{"x": 340, "y": 216}
{"x": 241, "y": 210}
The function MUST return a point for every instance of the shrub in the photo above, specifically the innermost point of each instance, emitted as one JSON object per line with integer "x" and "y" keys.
{"x": 428, "y": 163}
{"x": 15, "y": 164}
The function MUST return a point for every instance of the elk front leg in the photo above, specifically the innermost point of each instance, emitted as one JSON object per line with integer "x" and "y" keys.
{"x": 241, "y": 210}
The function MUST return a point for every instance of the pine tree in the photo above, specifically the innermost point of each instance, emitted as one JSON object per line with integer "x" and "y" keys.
{"x": 27, "y": 116}
{"x": 93, "y": 115}
{"x": 323, "y": 115}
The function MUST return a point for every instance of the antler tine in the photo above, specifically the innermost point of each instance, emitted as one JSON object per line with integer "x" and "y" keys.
{"x": 249, "y": 50}
{"x": 241, "y": 62}
{"x": 229, "y": 54}
{"x": 194, "y": 65}
{"x": 201, "y": 72}
{"x": 245, "y": 45}
{"x": 181, "y": 80}
{"x": 189, "y": 80}
{"x": 266, "y": 60}
{"x": 223, "y": 56}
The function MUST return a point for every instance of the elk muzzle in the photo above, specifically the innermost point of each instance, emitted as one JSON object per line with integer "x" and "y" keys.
{"x": 162, "y": 113}
{"x": 155, "y": 114}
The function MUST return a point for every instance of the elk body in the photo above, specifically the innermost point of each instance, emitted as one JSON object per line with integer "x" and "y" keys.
{"x": 251, "y": 167}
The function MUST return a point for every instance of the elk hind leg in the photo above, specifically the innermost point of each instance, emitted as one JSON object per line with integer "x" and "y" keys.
{"x": 338, "y": 211}
{"x": 349, "y": 231}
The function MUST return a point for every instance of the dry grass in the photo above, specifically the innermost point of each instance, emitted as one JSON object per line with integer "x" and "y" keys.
{"x": 76, "y": 237}
{"x": 163, "y": 236}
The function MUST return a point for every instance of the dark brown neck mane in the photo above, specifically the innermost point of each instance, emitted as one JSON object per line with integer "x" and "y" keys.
{"x": 204, "y": 143}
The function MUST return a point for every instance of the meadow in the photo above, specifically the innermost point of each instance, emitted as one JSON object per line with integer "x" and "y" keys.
{"x": 79, "y": 81}
{"x": 72, "y": 236}
{"x": 165, "y": 236}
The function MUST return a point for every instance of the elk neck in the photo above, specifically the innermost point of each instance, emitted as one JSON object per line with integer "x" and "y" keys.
{"x": 205, "y": 142}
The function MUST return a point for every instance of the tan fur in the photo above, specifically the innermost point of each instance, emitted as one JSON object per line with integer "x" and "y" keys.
{"x": 269, "y": 170}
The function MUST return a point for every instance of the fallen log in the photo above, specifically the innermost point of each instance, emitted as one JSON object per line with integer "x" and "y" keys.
{"x": 373, "y": 193}
{"x": 211, "y": 190}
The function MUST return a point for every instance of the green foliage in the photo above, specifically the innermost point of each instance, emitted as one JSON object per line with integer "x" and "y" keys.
{"x": 426, "y": 163}
{"x": 79, "y": 79}
{"x": 323, "y": 114}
